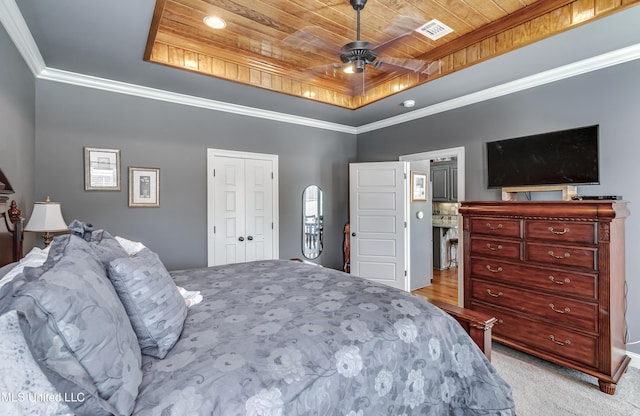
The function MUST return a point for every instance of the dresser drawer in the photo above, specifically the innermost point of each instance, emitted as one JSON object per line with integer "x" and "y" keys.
{"x": 564, "y": 231}
{"x": 496, "y": 227}
{"x": 571, "y": 312}
{"x": 582, "y": 257}
{"x": 552, "y": 280}
{"x": 496, "y": 248}
{"x": 559, "y": 342}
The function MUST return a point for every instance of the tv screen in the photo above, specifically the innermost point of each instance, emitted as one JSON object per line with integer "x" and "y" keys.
{"x": 568, "y": 157}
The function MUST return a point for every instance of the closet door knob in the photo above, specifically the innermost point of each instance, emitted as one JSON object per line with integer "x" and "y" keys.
{"x": 250, "y": 238}
{"x": 353, "y": 234}
{"x": 240, "y": 238}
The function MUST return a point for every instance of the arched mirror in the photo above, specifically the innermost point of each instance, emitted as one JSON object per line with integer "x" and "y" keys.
{"x": 312, "y": 219}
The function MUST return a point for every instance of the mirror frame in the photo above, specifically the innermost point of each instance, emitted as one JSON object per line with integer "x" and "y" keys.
{"x": 312, "y": 221}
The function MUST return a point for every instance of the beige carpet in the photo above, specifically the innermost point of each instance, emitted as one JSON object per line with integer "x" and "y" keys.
{"x": 542, "y": 388}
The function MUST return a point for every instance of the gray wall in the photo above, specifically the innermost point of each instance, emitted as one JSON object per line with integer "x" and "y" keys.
{"x": 608, "y": 97}
{"x": 175, "y": 139}
{"x": 17, "y": 121}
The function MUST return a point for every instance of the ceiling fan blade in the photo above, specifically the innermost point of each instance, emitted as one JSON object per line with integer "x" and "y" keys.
{"x": 401, "y": 27}
{"x": 311, "y": 39}
{"x": 414, "y": 65}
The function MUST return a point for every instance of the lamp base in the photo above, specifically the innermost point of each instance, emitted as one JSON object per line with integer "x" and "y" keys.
{"x": 47, "y": 237}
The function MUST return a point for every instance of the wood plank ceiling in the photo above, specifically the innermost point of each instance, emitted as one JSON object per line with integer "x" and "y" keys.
{"x": 293, "y": 46}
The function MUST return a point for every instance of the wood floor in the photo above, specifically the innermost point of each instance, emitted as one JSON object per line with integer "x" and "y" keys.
{"x": 444, "y": 286}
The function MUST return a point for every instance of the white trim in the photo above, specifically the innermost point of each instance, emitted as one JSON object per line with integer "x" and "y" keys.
{"x": 211, "y": 153}
{"x": 18, "y": 31}
{"x": 595, "y": 63}
{"x": 14, "y": 23}
{"x": 104, "y": 84}
{"x": 635, "y": 360}
{"x": 458, "y": 153}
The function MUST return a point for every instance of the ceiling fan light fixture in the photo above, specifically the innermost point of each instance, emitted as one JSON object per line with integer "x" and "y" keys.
{"x": 214, "y": 22}
{"x": 348, "y": 69}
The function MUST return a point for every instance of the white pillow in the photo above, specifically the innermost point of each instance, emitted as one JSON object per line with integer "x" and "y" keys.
{"x": 131, "y": 247}
{"x": 27, "y": 390}
{"x": 35, "y": 258}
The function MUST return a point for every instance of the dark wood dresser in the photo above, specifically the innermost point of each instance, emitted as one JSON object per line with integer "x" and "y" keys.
{"x": 553, "y": 274}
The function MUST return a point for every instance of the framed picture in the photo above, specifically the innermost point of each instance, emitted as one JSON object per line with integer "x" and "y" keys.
{"x": 144, "y": 187}
{"x": 418, "y": 186}
{"x": 101, "y": 169}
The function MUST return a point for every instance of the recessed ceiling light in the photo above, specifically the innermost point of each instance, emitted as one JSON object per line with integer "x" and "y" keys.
{"x": 408, "y": 103}
{"x": 215, "y": 22}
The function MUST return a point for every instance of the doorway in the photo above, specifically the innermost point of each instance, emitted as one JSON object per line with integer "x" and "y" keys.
{"x": 458, "y": 154}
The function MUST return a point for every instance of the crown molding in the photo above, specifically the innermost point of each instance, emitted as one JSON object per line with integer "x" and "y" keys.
{"x": 595, "y": 63}
{"x": 66, "y": 77}
{"x": 18, "y": 31}
{"x": 16, "y": 27}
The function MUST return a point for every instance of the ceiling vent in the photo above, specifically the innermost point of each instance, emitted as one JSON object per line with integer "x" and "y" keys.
{"x": 434, "y": 29}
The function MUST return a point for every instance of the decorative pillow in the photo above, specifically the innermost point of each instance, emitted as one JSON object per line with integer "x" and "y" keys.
{"x": 155, "y": 307}
{"x": 28, "y": 389}
{"x": 77, "y": 329}
{"x": 105, "y": 246}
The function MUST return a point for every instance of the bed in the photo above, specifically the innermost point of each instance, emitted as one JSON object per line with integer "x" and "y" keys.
{"x": 111, "y": 334}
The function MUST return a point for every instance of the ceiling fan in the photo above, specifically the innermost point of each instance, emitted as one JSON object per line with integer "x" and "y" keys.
{"x": 357, "y": 55}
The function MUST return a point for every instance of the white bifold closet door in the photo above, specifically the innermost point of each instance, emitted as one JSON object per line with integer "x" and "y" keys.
{"x": 243, "y": 210}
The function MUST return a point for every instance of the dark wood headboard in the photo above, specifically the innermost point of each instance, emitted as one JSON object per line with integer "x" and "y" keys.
{"x": 11, "y": 235}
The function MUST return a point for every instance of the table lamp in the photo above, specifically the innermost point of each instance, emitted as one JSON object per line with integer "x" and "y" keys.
{"x": 46, "y": 218}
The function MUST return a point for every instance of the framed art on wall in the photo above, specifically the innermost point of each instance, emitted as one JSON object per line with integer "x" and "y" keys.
{"x": 418, "y": 186}
{"x": 144, "y": 187}
{"x": 101, "y": 169}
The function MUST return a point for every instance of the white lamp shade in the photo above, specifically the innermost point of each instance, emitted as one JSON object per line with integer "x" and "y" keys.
{"x": 46, "y": 216}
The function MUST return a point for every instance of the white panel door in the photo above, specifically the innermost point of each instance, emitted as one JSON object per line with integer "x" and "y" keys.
{"x": 229, "y": 206}
{"x": 259, "y": 210}
{"x": 378, "y": 215}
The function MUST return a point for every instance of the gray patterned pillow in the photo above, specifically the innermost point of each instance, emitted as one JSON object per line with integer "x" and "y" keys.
{"x": 155, "y": 307}
{"x": 78, "y": 330}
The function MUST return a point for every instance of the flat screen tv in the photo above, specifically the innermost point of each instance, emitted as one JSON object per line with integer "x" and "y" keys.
{"x": 568, "y": 157}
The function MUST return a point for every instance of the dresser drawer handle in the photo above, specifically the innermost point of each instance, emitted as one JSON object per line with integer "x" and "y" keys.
{"x": 553, "y": 339}
{"x": 496, "y": 248}
{"x": 558, "y": 282}
{"x": 566, "y": 230}
{"x": 499, "y": 226}
{"x": 495, "y": 295}
{"x": 564, "y": 256}
{"x": 498, "y": 270}
{"x": 553, "y": 308}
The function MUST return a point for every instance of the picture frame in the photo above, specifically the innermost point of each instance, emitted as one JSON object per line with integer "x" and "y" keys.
{"x": 418, "y": 186}
{"x": 101, "y": 169}
{"x": 144, "y": 187}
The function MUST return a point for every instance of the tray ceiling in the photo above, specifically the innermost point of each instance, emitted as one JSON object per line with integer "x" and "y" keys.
{"x": 293, "y": 46}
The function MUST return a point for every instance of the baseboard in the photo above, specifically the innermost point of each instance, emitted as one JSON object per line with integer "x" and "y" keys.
{"x": 635, "y": 360}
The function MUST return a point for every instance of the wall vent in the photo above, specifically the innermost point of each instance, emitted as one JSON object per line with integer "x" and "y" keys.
{"x": 434, "y": 29}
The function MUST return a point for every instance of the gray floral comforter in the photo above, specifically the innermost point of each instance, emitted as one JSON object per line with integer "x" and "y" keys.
{"x": 279, "y": 337}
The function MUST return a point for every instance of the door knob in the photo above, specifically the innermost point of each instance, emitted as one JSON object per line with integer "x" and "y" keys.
{"x": 353, "y": 234}
{"x": 250, "y": 238}
{"x": 240, "y": 238}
